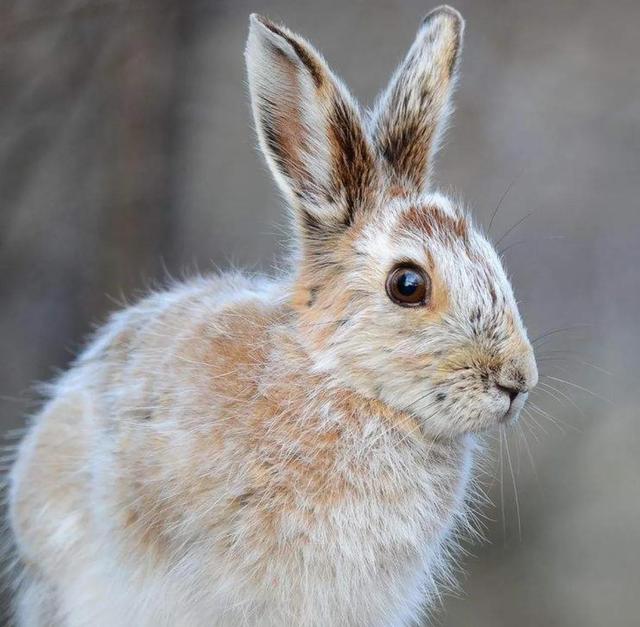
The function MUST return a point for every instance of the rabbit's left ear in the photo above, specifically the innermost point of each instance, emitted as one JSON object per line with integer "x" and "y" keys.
{"x": 411, "y": 113}
{"x": 309, "y": 129}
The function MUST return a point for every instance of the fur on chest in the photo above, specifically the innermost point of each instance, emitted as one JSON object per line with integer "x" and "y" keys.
{"x": 337, "y": 486}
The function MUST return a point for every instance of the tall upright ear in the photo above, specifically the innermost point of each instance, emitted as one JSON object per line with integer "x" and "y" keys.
{"x": 411, "y": 113}
{"x": 309, "y": 129}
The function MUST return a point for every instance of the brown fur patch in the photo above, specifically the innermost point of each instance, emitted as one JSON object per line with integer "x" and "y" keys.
{"x": 397, "y": 191}
{"x": 354, "y": 174}
{"x": 405, "y": 129}
{"x": 304, "y": 54}
{"x": 439, "y": 303}
{"x": 430, "y": 220}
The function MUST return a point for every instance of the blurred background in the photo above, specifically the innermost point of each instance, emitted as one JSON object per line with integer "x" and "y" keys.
{"x": 127, "y": 153}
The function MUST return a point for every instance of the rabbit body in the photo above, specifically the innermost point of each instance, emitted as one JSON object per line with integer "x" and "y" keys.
{"x": 192, "y": 469}
{"x": 294, "y": 451}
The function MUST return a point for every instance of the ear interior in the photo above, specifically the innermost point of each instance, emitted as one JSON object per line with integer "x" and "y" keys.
{"x": 309, "y": 128}
{"x": 412, "y": 112}
{"x": 279, "y": 81}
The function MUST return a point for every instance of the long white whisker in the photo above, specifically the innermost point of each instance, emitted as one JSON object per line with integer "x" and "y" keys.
{"x": 504, "y": 518}
{"x": 528, "y": 413}
{"x": 552, "y": 391}
{"x": 515, "y": 489}
{"x": 579, "y": 387}
{"x": 527, "y": 448}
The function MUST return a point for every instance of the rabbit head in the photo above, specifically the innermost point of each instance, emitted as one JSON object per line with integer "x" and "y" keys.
{"x": 396, "y": 294}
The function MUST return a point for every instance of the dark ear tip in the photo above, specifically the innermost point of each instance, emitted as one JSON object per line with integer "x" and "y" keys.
{"x": 447, "y": 13}
{"x": 260, "y": 21}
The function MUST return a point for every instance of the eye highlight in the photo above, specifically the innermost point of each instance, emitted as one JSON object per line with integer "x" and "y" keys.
{"x": 408, "y": 286}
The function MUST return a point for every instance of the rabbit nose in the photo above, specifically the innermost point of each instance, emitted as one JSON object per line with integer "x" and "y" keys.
{"x": 516, "y": 378}
{"x": 518, "y": 374}
{"x": 515, "y": 381}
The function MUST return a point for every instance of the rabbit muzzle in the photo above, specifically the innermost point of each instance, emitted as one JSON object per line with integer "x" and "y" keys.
{"x": 514, "y": 382}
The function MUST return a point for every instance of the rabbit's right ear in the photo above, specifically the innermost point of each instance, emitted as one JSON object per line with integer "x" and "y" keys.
{"x": 310, "y": 130}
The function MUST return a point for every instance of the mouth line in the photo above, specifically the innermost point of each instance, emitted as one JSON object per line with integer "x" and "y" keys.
{"x": 514, "y": 409}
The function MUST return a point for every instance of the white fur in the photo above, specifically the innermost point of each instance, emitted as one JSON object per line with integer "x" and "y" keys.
{"x": 298, "y": 451}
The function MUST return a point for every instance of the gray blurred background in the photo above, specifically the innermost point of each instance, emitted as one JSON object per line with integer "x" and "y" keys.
{"x": 126, "y": 153}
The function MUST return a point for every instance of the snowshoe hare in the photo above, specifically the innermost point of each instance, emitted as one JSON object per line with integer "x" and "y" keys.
{"x": 293, "y": 451}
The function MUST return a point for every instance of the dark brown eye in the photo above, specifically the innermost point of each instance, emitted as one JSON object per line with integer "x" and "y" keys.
{"x": 408, "y": 286}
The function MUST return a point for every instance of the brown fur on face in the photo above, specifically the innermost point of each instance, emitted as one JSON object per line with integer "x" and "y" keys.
{"x": 429, "y": 220}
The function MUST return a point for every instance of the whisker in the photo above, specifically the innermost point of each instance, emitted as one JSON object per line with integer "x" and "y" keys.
{"x": 549, "y": 389}
{"x": 571, "y": 357}
{"x": 513, "y": 245}
{"x": 526, "y": 241}
{"x": 530, "y": 428}
{"x": 504, "y": 518}
{"x": 560, "y": 424}
{"x": 527, "y": 448}
{"x": 528, "y": 413}
{"x": 579, "y": 387}
{"x": 504, "y": 195}
{"x": 515, "y": 226}
{"x": 515, "y": 489}
{"x": 573, "y": 327}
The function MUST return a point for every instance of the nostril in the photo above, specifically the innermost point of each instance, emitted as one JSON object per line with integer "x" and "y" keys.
{"x": 512, "y": 392}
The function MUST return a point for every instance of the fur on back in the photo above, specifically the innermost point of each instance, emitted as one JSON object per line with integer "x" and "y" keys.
{"x": 290, "y": 451}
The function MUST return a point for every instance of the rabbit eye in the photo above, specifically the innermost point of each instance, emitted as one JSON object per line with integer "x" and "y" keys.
{"x": 408, "y": 286}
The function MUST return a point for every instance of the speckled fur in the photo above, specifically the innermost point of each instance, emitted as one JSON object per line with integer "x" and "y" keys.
{"x": 294, "y": 451}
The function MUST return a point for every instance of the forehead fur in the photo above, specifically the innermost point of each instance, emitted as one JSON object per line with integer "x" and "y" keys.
{"x": 433, "y": 232}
